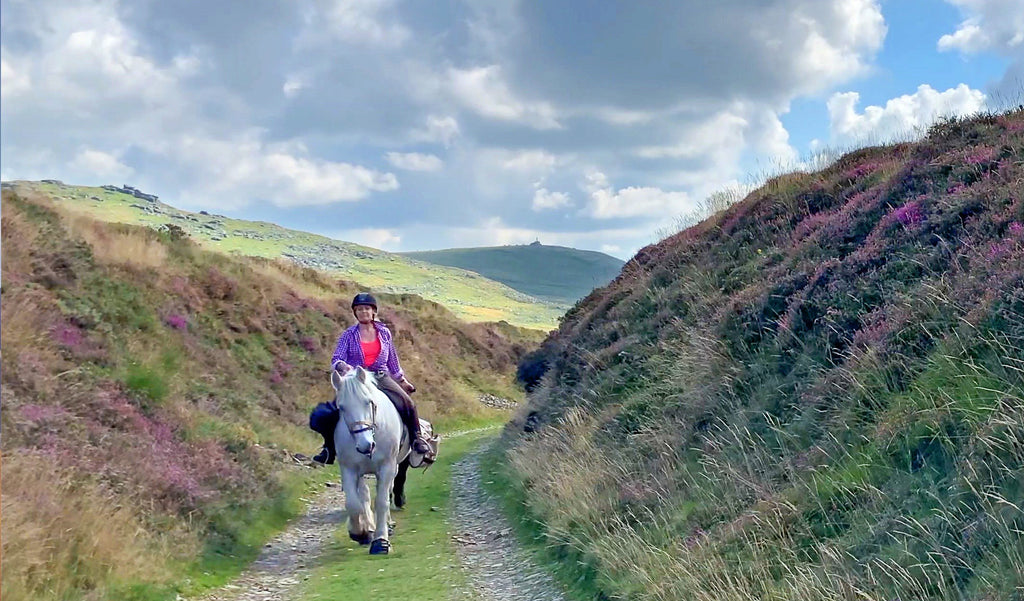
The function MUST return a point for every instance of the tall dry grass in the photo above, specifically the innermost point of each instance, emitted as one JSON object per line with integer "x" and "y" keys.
{"x": 136, "y": 246}
{"x": 65, "y": 537}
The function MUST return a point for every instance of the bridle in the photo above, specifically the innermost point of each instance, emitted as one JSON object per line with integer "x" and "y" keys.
{"x": 362, "y": 425}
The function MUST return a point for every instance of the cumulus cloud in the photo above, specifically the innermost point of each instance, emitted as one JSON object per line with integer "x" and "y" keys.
{"x": 438, "y": 129}
{"x": 99, "y": 163}
{"x": 280, "y": 173}
{"x": 485, "y": 91}
{"x": 989, "y": 25}
{"x": 529, "y": 161}
{"x": 644, "y": 56}
{"x": 415, "y": 161}
{"x": 12, "y": 81}
{"x": 635, "y": 201}
{"x": 371, "y": 22}
{"x": 381, "y": 238}
{"x": 900, "y": 117}
{"x": 544, "y": 199}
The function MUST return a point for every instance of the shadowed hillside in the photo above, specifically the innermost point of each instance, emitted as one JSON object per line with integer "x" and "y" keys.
{"x": 553, "y": 273}
{"x": 816, "y": 394}
{"x": 153, "y": 392}
{"x": 468, "y": 295}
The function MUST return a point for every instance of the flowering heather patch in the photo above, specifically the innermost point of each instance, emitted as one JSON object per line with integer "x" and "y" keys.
{"x": 863, "y": 169}
{"x": 811, "y": 224}
{"x": 176, "y": 321}
{"x": 909, "y": 214}
{"x": 1016, "y": 227}
{"x": 980, "y": 154}
{"x": 69, "y": 336}
{"x": 309, "y": 344}
{"x": 42, "y": 413}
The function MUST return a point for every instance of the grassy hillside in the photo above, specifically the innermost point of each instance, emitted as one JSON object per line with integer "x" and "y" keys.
{"x": 470, "y": 296}
{"x": 153, "y": 390}
{"x": 816, "y": 394}
{"x": 553, "y": 273}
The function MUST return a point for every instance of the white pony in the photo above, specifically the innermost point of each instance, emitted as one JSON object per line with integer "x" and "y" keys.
{"x": 369, "y": 439}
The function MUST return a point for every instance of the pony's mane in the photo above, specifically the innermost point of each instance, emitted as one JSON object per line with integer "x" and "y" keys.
{"x": 351, "y": 386}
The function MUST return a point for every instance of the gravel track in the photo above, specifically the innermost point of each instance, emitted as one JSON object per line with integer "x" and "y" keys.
{"x": 496, "y": 567}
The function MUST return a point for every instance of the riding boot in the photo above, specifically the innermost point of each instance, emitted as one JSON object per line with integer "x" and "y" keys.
{"x": 322, "y": 420}
{"x": 327, "y": 454}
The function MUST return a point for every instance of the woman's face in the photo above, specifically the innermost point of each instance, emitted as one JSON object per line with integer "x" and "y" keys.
{"x": 364, "y": 313}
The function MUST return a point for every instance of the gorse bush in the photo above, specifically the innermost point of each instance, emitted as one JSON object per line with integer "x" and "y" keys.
{"x": 815, "y": 394}
{"x": 157, "y": 390}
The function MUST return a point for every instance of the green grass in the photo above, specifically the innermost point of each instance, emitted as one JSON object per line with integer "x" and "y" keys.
{"x": 422, "y": 564}
{"x": 469, "y": 295}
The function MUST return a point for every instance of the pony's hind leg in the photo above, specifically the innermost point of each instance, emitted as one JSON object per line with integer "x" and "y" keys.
{"x": 356, "y": 507}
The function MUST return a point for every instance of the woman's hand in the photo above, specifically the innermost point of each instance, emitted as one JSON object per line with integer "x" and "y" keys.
{"x": 407, "y": 386}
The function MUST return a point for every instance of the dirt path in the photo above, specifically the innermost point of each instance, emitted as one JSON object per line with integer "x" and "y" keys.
{"x": 287, "y": 559}
{"x": 496, "y": 567}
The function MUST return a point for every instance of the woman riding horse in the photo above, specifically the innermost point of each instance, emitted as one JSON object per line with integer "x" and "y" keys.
{"x": 368, "y": 344}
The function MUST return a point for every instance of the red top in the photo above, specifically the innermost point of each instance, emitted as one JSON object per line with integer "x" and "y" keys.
{"x": 370, "y": 351}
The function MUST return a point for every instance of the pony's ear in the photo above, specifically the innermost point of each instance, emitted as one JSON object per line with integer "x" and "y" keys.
{"x": 335, "y": 379}
{"x": 361, "y": 374}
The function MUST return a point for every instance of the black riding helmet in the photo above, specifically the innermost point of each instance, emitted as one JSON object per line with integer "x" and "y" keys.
{"x": 364, "y": 298}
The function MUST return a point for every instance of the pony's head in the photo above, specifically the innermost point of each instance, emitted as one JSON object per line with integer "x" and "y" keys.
{"x": 355, "y": 399}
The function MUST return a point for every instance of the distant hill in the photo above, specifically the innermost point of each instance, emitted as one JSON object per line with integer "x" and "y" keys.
{"x": 553, "y": 273}
{"x": 469, "y": 295}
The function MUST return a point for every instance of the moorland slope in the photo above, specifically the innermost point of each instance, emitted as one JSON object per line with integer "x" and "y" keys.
{"x": 153, "y": 393}
{"x": 469, "y": 295}
{"x": 815, "y": 394}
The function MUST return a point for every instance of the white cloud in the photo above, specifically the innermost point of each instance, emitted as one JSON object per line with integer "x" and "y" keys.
{"x": 12, "y": 81}
{"x": 438, "y": 129}
{"x": 989, "y": 25}
{"x": 484, "y": 91}
{"x": 100, "y": 164}
{"x": 634, "y": 201}
{"x": 293, "y": 84}
{"x": 544, "y": 199}
{"x": 530, "y": 161}
{"x": 361, "y": 21}
{"x": 415, "y": 161}
{"x": 380, "y": 238}
{"x": 232, "y": 172}
{"x": 900, "y": 117}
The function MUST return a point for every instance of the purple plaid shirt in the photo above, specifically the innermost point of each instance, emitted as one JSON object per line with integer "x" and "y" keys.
{"x": 349, "y": 351}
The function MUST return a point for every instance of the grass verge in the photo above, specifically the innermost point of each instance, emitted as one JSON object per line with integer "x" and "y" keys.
{"x": 422, "y": 562}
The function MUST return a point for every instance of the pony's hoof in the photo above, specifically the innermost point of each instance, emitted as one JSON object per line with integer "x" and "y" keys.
{"x": 362, "y": 539}
{"x": 381, "y": 546}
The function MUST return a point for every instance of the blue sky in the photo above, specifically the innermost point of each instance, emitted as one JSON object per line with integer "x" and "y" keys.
{"x": 416, "y": 125}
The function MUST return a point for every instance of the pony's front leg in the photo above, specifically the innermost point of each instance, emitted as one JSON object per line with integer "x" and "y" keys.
{"x": 355, "y": 507}
{"x": 382, "y": 509}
